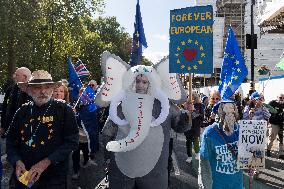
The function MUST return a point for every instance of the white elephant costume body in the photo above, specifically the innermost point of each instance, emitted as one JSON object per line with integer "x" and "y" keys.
{"x": 139, "y": 124}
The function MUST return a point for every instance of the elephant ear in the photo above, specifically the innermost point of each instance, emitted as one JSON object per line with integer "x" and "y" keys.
{"x": 113, "y": 69}
{"x": 171, "y": 84}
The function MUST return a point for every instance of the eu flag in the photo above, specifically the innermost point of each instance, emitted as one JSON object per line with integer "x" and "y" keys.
{"x": 74, "y": 81}
{"x": 139, "y": 39}
{"x": 234, "y": 70}
{"x": 88, "y": 98}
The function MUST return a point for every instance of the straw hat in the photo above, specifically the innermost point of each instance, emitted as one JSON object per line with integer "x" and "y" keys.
{"x": 40, "y": 77}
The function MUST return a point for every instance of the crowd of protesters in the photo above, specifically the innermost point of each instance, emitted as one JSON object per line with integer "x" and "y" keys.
{"x": 39, "y": 118}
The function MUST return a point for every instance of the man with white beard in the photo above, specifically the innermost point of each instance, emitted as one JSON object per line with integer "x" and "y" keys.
{"x": 218, "y": 153}
{"x": 42, "y": 135}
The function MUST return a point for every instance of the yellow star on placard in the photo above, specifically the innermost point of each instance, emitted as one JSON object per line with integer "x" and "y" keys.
{"x": 233, "y": 57}
{"x": 238, "y": 70}
{"x": 230, "y": 83}
{"x": 188, "y": 68}
{"x": 183, "y": 43}
{"x": 189, "y": 41}
{"x": 178, "y": 61}
{"x": 220, "y": 82}
{"x": 235, "y": 77}
{"x": 237, "y": 62}
{"x": 196, "y": 42}
{"x": 200, "y": 62}
{"x": 176, "y": 54}
{"x": 202, "y": 54}
{"x": 195, "y": 67}
{"x": 201, "y": 48}
{"x": 226, "y": 55}
{"x": 178, "y": 48}
{"x": 182, "y": 66}
{"x": 42, "y": 143}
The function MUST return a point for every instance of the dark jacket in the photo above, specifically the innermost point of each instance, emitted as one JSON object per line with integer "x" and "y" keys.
{"x": 277, "y": 118}
{"x": 13, "y": 100}
{"x": 49, "y": 131}
{"x": 197, "y": 121}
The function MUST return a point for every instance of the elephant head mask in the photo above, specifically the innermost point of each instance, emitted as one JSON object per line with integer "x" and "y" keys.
{"x": 120, "y": 88}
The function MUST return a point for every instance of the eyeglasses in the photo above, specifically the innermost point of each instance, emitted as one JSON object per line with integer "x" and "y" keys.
{"x": 214, "y": 98}
{"x": 91, "y": 85}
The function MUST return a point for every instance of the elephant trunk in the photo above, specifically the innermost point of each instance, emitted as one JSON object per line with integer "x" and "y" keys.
{"x": 137, "y": 109}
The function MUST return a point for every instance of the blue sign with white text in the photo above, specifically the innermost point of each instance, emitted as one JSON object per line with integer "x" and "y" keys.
{"x": 191, "y": 40}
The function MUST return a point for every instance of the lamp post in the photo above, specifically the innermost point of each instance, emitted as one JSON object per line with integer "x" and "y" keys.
{"x": 252, "y": 87}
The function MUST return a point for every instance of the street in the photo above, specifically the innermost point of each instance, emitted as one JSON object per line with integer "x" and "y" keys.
{"x": 181, "y": 178}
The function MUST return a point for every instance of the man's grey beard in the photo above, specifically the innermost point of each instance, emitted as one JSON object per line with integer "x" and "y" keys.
{"x": 228, "y": 124}
{"x": 39, "y": 102}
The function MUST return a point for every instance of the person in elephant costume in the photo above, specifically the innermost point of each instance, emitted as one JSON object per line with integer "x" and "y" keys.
{"x": 137, "y": 132}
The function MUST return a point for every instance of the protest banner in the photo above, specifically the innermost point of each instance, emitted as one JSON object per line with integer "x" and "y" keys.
{"x": 191, "y": 40}
{"x": 252, "y": 143}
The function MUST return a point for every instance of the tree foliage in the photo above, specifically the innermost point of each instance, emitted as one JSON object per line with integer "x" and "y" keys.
{"x": 41, "y": 34}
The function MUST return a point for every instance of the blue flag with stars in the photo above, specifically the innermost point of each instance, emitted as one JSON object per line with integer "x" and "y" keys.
{"x": 74, "y": 80}
{"x": 88, "y": 98}
{"x": 139, "y": 39}
{"x": 234, "y": 70}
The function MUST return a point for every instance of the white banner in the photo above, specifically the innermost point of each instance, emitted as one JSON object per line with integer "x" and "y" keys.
{"x": 252, "y": 143}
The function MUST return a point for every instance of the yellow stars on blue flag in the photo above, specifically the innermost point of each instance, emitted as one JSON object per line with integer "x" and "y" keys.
{"x": 190, "y": 54}
{"x": 233, "y": 70}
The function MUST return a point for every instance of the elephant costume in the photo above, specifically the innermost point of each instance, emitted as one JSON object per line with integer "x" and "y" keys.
{"x": 139, "y": 124}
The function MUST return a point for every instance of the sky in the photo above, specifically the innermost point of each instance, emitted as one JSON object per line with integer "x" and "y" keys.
{"x": 156, "y": 21}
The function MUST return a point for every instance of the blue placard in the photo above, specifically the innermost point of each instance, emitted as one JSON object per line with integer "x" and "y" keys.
{"x": 191, "y": 40}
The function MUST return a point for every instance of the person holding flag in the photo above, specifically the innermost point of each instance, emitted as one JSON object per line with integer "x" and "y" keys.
{"x": 218, "y": 153}
{"x": 87, "y": 113}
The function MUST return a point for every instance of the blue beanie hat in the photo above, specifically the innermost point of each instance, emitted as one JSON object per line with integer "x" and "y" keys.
{"x": 255, "y": 96}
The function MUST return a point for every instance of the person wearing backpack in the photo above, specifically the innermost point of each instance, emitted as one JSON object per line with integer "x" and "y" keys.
{"x": 42, "y": 135}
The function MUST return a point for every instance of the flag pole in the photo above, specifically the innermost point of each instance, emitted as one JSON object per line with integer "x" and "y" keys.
{"x": 189, "y": 96}
{"x": 77, "y": 102}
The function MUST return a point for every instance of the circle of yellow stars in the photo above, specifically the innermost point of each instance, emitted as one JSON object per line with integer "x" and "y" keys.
{"x": 47, "y": 121}
{"x": 179, "y": 53}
